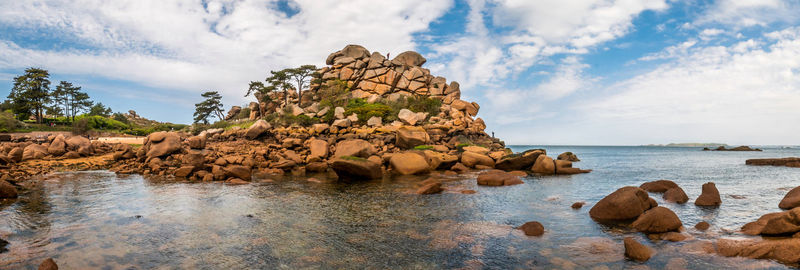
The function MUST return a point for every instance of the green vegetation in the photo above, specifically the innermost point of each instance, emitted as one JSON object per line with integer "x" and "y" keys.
{"x": 211, "y": 105}
{"x": 8, "y": 123}
{"x": 100, "y": 110}
{"x": 335, "y": 93}
{"x": 353, "y": 158}
{"x": 30, "y": 94}
{"x": 423, "y": 147}
{"x": 366, "y": 110}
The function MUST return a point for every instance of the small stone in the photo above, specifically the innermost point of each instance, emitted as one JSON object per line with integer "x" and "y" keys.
{"x": 702, "y": 226}
{"x": 532, "y": 228}
{"x": 636, "y": 251}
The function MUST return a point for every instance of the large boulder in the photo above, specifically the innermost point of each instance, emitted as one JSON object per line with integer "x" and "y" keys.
{"x": 258, "y": 128}
{"x": 791, "y": 200}
{"x": 472, "y": 159}
{"x": 657, "y": 220}
{"x": 636, "y": 251}
{"x": 658, "y": 186}
{"x": 409, "y": 58}
{"x": 34, "y": 151}
{"x": 626, "y": 203}
{"x": 353, "y": 168}
{"x": 408, "y": 117}
{"x": 318, "y": 149}
{"x": 355, "y": 51}
{"x": 15, "y": 155}
{"x": 709, "y": 196}
{"x": 354, "y": 148}
{"x": 239, "y": 171}
{"x": 782, "y": 250}
{"x": 498, "y": 178}
{"x": 80, "y": 144}
{"x": 58, "y": 146}
{"x": 7, "y": 190}
{"x": 781, "y": 223}
{"x": 568, "y": 156}
{"x": 196, "y": 142}
{"x": 516, "y": 162}
{"x": 409, "y": 137}
{"x": 675, "y": 195}
{"x": 162, "y": 143}
{"x": 233, "y": 112}
{"x": 409, "y": 163}
{"x": 544, "y": 165}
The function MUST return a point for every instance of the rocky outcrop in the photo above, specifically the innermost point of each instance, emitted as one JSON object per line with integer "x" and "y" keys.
{"x": 787, "y": 162}
{"x": 636, "y": 251}
{"x": 709, "y": 196}
{"x": 498, "y": 178}
{"x": 568, "y": 156}
{"x": 352, "y": 168}
{"x": 782, "y": 250}
{"x": 738, "y": 148}
{"x": 58, "y": 146}
{"x": 781, "y": 223}
{"x": 657, "y": 220}
{"x": 232, "y": 113}
{"x": 791, "y": 200}
{"x": 473, "y": 159}
{"x": 626, "y": 203}
{"x": 523, "y": 161}
{"x": 34, "y": 151}
{"x": 161, "y": 144}
{"x": 532, "y": 228}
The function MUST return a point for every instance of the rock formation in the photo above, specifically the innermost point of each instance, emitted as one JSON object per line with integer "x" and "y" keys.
{"x": 626, "y": 203}
{"x": 709, "y": 196}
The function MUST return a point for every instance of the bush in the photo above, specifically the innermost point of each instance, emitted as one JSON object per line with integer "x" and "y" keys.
{"x": 80, "y": 126}
{"x": 243, "y": 114}
{"x": 102, "y": 123}
{"x": 288, "y": 119}
{"x": 121, "y": 118}
{"x": 413, "y": 103}
{"x": 366, "y": 110}
{"x": 334, "y": 93}
{"x": 8, "y": 123}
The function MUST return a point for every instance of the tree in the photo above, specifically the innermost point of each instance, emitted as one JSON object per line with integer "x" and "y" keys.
{"x": 31, "y": 94}
{"x": 100, "y": 109}
{"x": 72, "y": 99}
{"x": 258, "y": 89}
{"x": 280, "y": 81}
{"x": 301, "y": 76}
{"x": 211, "y": 105}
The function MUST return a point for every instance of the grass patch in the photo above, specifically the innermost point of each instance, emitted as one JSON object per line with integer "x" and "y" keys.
{"x": 423, "y": 147}
{"x": 353, "y": 158}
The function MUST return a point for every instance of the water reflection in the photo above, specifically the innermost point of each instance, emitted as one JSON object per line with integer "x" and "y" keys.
{"x": 98, "y": 219}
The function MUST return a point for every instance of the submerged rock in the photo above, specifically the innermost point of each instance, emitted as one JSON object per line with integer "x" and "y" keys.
{"x": 709, "y": 196}
{"x": 532, "y": 228}
{"x": 702, "y": 225}
{"x": 626, "y": 203}
{"x": 783, "y": 250}
{"x": 544, "y": 165}
{"x": 578, "y": 205}
{"x": 636, "y": 251}
{"x": 432, "y": 187}
{"x": 48, "y": 264}
{"x": 498, "y": 178}
{"x": 352, "y": 168}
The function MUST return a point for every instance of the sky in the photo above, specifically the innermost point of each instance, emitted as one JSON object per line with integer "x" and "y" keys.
{"x": 589, "y": 72}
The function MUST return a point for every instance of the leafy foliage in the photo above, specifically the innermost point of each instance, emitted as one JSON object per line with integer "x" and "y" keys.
{"x": 8, "y": 123}
{"x": 30, "y": 94}
{"x": 366, "y": 110}
{"x": 100, "y": 110}
{"x": 211, "y": 105}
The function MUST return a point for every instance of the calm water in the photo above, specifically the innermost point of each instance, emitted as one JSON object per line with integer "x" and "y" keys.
{"x": 99, "y": 220}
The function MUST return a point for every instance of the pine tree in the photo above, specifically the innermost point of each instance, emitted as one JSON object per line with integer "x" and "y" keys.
{"x": 211, "y": 105}
{"x": 31, "y": 94}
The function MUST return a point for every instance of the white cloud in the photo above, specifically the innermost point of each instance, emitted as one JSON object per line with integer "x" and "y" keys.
{"x": 743, "y": 93}
{"x": 184, "y": 45}
{"x": 747, "y": 13}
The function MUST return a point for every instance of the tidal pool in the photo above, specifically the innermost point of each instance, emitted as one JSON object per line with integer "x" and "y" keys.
{"x": 101, "y": 220}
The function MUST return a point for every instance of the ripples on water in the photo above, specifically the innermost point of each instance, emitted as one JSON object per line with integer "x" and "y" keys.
{"x": 99, "y": 220}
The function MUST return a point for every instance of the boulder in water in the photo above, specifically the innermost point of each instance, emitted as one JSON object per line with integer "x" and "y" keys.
{"x": 658, "y": 186}
{"x": 709, "y": 196}
{"x": 532, "y": 228}
{"x": 636, "y": 251}
{"x": 353, "y": 168}
{"x": 657, "y": 220}
{"x": 676, "y": 195}
{"x": 498, "y": 178}
{"x": 48, "y": 264}
{"x": 409, "y": 163}
{"x": 791, "y": 200}
{"x": 7, "y": 190}
{"x": 626, "y": 203}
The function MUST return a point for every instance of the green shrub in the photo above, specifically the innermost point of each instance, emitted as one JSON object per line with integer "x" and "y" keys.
{"x": 243, "y": 114}
{"x": 8, "y": 123}
{"x": 414, "y": 104}
{"x": 80, "y": 126}
{"x": 121, "y": 118}
{"x": 366, "y": 110}
{"x": 352, "y": 158}
{"x": 302, "y": 120}
{"x": 102, "y": 123}
{"x": 334, "y": 93}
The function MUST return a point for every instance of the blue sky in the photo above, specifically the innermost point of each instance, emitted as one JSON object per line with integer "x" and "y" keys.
{"x": 606, "y": 72}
